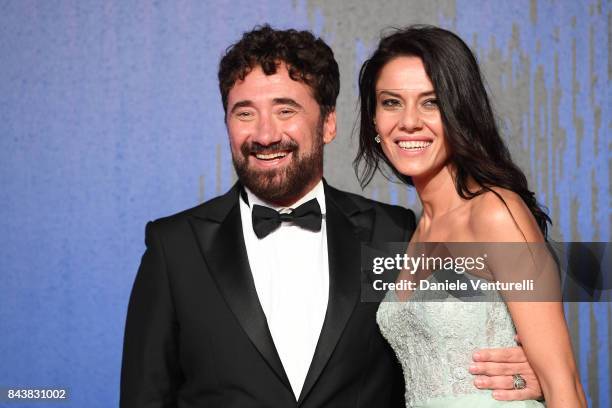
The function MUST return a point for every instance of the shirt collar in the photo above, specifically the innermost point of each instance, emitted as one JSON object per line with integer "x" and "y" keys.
{"x": 317, "y": 192}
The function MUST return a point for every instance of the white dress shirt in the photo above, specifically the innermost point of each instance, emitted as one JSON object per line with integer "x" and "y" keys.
{"x": 291, "y": 273}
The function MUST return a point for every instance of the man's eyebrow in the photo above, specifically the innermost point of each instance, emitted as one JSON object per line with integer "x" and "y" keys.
{"x": 276, "y": 101}
{"x": 241, "y": 104}
{"x": 397, "y": 95}
{"x": 287, "y": 101}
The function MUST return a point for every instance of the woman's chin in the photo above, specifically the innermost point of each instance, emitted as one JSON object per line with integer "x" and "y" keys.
{"x": 411, "y": 171}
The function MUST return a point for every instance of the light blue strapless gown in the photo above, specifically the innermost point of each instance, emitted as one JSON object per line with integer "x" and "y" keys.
{"x": 434, "y": 342}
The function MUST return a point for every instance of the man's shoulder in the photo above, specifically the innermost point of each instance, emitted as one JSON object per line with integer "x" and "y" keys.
{"x": 214, "y": 209}
{"x": 395, "y": 212}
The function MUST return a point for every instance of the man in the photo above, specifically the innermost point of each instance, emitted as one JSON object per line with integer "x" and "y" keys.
{"x": 252, "y": 299}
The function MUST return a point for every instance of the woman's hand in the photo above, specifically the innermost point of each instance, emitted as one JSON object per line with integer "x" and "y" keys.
{"x": 494, "y": 369}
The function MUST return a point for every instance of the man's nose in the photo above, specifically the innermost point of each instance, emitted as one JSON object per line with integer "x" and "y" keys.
{"x": 267, "y": 132}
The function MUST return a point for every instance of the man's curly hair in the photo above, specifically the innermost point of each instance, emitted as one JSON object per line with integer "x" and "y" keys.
{"x": 308, "y": 59}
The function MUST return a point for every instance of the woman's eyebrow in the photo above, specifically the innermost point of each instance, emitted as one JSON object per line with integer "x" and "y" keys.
{"x": 397, "y": 95}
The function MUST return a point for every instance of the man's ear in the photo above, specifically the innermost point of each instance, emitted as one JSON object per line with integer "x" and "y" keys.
{"x": 329, "y": 127}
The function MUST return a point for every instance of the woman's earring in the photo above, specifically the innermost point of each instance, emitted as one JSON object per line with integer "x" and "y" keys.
{"x": 377, "y": 138}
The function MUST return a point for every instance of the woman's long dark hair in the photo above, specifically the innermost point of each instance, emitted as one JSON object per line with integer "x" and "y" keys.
{"x": 477, "y": 150}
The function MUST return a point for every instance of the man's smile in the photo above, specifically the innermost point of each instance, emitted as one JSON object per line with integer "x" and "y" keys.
{"x": 271, "y": 159}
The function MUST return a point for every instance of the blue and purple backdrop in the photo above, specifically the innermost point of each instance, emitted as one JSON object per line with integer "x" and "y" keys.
{"x": 110, "y": 116}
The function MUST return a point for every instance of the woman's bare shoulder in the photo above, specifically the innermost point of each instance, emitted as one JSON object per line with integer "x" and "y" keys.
{"x": 502, "y": 216}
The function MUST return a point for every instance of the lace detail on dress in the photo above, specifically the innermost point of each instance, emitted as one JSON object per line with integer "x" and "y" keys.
{"x": 434, "y": 340}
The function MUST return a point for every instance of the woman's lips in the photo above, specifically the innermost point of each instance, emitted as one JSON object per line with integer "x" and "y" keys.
{"x": 414, "y": 145}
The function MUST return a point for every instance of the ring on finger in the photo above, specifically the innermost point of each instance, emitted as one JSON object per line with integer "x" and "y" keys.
{"x": 518, "y": 382}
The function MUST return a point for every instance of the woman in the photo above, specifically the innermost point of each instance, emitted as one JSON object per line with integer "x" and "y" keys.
{"x": 425, "y": 114}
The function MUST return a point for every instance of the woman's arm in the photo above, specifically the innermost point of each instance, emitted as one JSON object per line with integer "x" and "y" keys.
{"x": 540, "y": 324}
{"x": 545, "y": 338}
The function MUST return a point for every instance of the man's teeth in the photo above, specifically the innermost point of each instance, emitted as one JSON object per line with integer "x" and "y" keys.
{"x": 414, "y": 144}
{"x": 270, "y": 156}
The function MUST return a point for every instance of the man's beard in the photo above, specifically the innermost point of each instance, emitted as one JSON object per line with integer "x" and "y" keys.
{"x": 280, "y": 184}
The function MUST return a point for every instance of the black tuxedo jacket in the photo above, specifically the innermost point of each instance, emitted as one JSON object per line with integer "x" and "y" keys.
{"x": 196, "y": 335}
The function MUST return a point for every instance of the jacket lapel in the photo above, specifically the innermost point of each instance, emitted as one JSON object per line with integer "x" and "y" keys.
{"x": 221, "y": 240}
{"x": 347, "y": 225}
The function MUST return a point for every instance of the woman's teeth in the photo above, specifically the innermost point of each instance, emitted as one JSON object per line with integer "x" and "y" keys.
{"x": 270, "y": 156}
{"x": 414, "y": 144}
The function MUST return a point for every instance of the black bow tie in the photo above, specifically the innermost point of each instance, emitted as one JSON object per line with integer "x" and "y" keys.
{"x": 266, "y": 219}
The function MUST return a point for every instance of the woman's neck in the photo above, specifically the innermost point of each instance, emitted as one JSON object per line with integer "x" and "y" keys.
{"x": 438, "y": 193}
